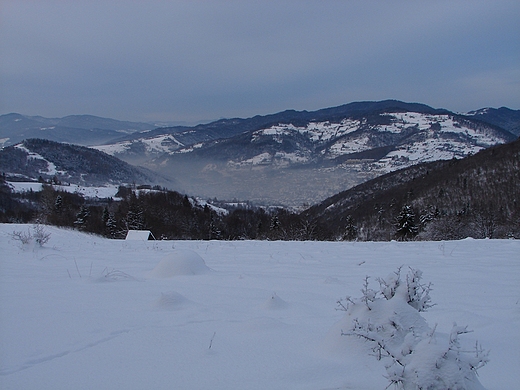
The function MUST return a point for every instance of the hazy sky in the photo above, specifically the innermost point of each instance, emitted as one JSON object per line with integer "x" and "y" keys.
{"x": 196, "y": 60}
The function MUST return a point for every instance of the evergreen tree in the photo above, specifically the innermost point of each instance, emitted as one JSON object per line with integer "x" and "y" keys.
{"x": 135, "y": 217}
{"x": 58, "y": 204}
{"x": 214, "y": 232}
{"x": 351, "y": 230}
{"x": 405, "y": 224}
{"x": 81, "y": 218}
{"x": 105, "y": 215}
{"x": 111, "y": 226}
{"x": 275, "y": 223}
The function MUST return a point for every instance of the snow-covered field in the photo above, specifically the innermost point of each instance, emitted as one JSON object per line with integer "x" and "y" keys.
{"x": 83, "y": 312}
{"x": 90, "y": 192}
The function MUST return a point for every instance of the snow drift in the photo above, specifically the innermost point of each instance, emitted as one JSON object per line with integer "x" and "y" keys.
{"x": 180, "y": 262}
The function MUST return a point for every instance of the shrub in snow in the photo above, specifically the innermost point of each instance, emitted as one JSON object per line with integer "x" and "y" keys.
{"x": 39, "y": 235}
{"x": 418, "y": 356}
{"x": 180, "y": 262}
{"x": 23, "y": 237}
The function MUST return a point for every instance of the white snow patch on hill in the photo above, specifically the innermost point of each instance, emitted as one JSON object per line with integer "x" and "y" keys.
{"x": 159, "y": 144}
{"x": 341, "y": 147}
{"x": 440, "y": 137}
{"x": 108, "y": 191}
{"x": 113, "y": 149}
{"x": 51, "y": 168}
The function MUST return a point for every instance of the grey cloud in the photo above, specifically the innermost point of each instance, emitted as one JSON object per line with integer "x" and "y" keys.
{"x": 186, "y": 60}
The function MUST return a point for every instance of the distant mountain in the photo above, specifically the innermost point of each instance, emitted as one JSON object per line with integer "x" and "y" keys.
{"x": 392, "y": 138}
{"x": 292, "y": 157}
{"x": 303, "y": 157}
{"x": 503, "y": 117}
{"x": 77, "y": 129}
{"x": 35, "y": 159}
{"x": 169, "y": 139}
{"x": 476, "y": 196}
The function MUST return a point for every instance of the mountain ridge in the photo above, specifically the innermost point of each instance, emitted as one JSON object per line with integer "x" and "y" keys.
{"x": 317, "y": 159}
{"x": 503, "y": 117}
{"x": 222, "y": 128}
{"x": 52, "y": 161}
{"x": 302, "y": 157}
{"x": 79, "y": 129}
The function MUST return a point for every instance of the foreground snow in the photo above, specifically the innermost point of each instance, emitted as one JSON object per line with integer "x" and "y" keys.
{"x": 85, "y": 312}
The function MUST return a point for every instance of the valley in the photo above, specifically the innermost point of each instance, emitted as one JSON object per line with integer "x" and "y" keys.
{"x": 289, "y": 166}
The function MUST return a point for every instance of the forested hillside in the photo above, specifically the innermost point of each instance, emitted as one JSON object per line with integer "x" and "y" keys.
{"x": 69, "y": 163}
{"x": 477, "y": 196}
{"x": 168, "y": 214}
{"x": 474, "y": 197}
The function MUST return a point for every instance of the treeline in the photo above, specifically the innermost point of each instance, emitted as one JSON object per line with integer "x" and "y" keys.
{"x": 475, "y": 197}
{"x": 167, "y": 214}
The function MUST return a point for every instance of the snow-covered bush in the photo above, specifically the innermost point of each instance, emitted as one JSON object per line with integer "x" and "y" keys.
{"x": 39, "y": 235}
{"x": 419, "y": 356}
{"x": 23, "y": 237}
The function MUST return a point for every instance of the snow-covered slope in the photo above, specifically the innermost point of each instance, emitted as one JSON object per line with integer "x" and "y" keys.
{"x": 47, "y": 167}
{"x": 86, "y": 191}
{"x": 83, "y": 312}
{"x": 390, "y": 140}
{"x": 414, "y": 132}
{"x": 149, "y": 146}
{"x": 68, "y": 163}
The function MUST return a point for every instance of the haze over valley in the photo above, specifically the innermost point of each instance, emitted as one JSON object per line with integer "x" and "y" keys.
{"x": 290, "y": 158}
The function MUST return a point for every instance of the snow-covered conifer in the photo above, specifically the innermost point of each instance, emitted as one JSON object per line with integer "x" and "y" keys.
{"x": 405, "y": 224}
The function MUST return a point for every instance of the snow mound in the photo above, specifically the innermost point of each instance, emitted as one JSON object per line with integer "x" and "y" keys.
{"x": 180, "y": 262}
{"x": 170, "y": 301}
{"x": 332, "y": 280}
{"x": 275, "y": 303}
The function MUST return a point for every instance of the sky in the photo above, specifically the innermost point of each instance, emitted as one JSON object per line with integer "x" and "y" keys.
{"x": 203, "y": 60}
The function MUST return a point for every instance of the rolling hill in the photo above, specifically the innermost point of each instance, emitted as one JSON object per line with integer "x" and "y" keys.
{"x": 46, "y": 160}
{"x": 475, "y": 196}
